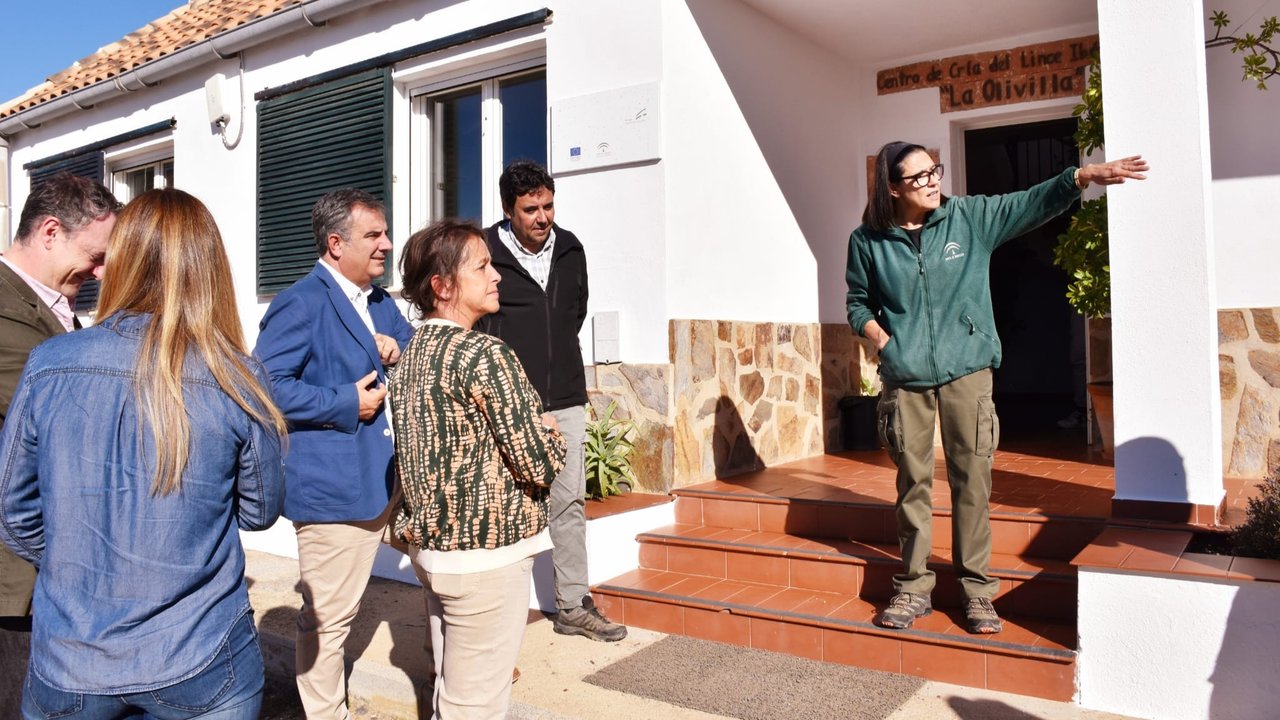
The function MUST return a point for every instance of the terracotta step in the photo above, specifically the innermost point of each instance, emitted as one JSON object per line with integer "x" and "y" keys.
{"x": 1031, "y": 587}
{"x": 1031, "y": 657}
{"x": 1058, "y": 537}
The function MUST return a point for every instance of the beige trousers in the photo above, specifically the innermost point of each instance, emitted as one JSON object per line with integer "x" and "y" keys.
{"x": 477, "y": 622}
{"x": 970, "y": 434}
{"x": 334, "y": 560}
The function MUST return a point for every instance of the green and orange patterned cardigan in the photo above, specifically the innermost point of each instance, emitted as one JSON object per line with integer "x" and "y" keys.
{"x": 475, "y": 461}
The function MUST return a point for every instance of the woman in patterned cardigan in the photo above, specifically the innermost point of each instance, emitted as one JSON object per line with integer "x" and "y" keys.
{"x": 476, "y": 457}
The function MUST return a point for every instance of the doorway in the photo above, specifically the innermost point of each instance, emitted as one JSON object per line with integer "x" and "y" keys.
{"x": 1035, "y": 388}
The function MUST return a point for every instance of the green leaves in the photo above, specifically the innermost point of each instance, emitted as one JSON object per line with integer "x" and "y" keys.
{"x": 1261, "y": 60}
{"x": 1082, "y": 252}
{"x": 608, "y": 454}
{"x": 1088, "y": 113}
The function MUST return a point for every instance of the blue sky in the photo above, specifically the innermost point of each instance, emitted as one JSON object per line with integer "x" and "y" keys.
{"x": 42, "y": 37}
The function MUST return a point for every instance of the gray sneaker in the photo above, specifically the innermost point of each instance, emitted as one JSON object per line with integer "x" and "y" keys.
{"x": 903, "y": 610}
{"x": 588, "y": 621}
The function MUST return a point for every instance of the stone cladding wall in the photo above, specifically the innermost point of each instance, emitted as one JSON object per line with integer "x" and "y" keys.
{"x": 737, "y": 396}
{"x": 643, "y": 395}
{"x": 1249, "y": 375}
{"x": 746, "y": 395}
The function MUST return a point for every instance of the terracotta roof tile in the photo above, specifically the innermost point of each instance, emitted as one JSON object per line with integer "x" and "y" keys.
{"x": 191, "y": 23}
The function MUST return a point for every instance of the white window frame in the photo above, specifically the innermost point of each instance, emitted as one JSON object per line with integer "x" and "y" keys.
{"x": 426, "y": 156}
{"x": 136, "y": 156}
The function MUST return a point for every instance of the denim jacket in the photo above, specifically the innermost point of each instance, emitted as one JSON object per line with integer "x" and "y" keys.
{"x": 135, "y": 591}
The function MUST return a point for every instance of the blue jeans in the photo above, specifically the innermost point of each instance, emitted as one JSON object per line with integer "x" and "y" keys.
{"x": 229, "y": 689}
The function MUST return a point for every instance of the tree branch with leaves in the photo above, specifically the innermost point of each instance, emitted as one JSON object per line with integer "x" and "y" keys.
{"x": 1261, "y": 57}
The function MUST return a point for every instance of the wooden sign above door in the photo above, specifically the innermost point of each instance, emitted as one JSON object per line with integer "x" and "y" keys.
{"x": 998, "y": 77}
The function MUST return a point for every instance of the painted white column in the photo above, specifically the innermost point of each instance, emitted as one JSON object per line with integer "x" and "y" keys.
{"x": 1167, "y": 411}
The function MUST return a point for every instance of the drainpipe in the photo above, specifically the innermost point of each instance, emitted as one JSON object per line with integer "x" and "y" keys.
{"x": 219, "y": 47}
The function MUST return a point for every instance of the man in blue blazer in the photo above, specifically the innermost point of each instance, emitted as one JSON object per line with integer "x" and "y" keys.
{"x": 326, "y": 342}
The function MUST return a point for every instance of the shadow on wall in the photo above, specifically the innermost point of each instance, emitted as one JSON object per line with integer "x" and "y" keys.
{"x": 1158, "y": 463}
{"x": 1244, "y": 677}
{"x": 731, "y": 443}
{"x": 777, "y": 76}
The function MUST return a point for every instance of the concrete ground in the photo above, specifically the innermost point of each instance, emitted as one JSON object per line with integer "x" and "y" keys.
{"x": 390, "y": 679}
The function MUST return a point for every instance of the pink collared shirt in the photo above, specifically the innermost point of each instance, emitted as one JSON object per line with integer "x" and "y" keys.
{"x": 56, "y": 301}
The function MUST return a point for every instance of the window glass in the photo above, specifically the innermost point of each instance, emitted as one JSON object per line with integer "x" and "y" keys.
{"x": 459, "y": 170}
{"x": 524, "y": 118}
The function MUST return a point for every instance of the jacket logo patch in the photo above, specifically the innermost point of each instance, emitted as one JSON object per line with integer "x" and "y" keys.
{"x": 951, "y": 251}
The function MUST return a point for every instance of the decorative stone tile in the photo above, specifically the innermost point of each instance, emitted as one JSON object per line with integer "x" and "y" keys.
{"x": 1231, "y": 326}
{"x": 1267, "y": 365}
{"x": 746, "y": 356}
{"x": 1254, "y": 425}
{"x": 702, "y": 351}
{"x": 800, "y": 339}
{"x": 1264, "y": 322}
{"x": 751, "y": 386}
{"x": 643, "y": 396}
{"x": 649, "y": 382}
{"x": 1227, "y": 376}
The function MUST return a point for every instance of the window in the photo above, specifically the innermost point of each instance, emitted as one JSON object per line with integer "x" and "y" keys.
{"x": 472, "y": 131}
{"x": 129, "y": 183}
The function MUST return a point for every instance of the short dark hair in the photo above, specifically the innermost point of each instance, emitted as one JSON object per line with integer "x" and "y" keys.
{"x": 437, "y": 249}
{"x": 73, "y": 200}
{"x": 888, "y": 170}
{"x": 521, "y": 178}
{"x": 331, "y": 215}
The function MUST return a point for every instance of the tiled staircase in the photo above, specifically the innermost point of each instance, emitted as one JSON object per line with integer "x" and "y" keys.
{"x": 797, "y": 559}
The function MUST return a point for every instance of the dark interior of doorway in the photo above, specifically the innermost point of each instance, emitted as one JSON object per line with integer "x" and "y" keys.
{"x": 1035, "y": 387}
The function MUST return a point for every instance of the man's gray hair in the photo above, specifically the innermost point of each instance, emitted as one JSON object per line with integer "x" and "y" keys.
{"x": 74, "y": 201}
{"x": 331, "y": 215}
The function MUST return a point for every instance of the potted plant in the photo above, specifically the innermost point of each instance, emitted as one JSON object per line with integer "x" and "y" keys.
{"x": 608, "y": 455}
{"x": 858, "y": 418}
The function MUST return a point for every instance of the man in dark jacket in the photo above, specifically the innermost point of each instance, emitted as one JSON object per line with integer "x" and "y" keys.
{"x": 61, "y": 242}
{"x": 543, "y": 295}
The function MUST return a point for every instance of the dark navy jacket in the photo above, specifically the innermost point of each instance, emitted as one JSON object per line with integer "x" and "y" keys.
{"x": 315, "y": 347}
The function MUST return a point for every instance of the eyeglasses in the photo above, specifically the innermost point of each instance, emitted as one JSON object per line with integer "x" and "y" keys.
{"x": 922, "y": 179}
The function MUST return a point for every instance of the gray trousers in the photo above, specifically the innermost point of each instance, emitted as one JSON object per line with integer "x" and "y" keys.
{"x": 568, "y": 522}
{"x": 970, "y": 433}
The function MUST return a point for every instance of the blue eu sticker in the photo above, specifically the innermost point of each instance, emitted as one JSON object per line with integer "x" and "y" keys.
{"x": 575, "y": 151}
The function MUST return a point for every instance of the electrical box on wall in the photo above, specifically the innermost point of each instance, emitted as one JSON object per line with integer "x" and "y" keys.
{"x": 604, "y": 337}
{"x": 213, "y": 94}
{"x": 614, "y": 127}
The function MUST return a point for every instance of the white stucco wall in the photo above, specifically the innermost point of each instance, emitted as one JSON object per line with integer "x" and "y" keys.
{"x": 758, "y": 128}
{"x": 1178, "y": 649}
{"x": 1246, "y": 167}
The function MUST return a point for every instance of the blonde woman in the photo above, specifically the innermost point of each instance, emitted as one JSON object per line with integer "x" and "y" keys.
{"x": 476, "y": 458}
{"x": 132, "y": 454}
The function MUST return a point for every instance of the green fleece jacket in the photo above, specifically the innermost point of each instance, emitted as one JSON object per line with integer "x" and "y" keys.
{"x": 935, "y": 301}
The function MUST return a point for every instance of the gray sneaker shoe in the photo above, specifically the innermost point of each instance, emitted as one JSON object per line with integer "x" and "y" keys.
{"x": 982, "y": 617}
{"x": 903, "y": 610}
{"x": 588, "y": 621}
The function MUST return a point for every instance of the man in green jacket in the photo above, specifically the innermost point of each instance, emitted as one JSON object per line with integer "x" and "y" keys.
{"x": 918, "y": 288}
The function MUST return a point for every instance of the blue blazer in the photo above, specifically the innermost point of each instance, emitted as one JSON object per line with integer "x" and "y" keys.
{"x": 315, "y": 347}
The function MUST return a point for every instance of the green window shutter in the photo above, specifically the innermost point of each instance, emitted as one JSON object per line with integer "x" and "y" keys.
{"x": 310, "y": 142}
{"x": 91, "y": 165}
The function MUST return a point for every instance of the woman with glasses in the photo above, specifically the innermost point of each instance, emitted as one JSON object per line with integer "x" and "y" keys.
{"x": 918, "y": 288}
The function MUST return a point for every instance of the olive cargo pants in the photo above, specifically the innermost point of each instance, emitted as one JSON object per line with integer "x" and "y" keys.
{"x": 970, "y": 433}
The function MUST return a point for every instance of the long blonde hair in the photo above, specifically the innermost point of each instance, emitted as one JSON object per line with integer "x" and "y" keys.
{"x": 165, "y": 257}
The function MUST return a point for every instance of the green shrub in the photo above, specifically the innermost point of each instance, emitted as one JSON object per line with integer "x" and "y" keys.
{"x": 608, "y": 454}
{"x": 1259, "y": 534}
